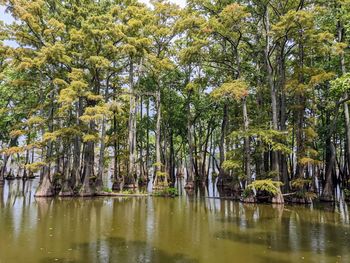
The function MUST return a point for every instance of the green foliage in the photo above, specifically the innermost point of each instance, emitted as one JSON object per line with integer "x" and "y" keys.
{"x": 231, "y": 164}
{"x": 247, "y": 192}
{"x": 269, "y": 186}
{"x": 127, "y": 192}
{"x": 306, "y": 195}
{"x": 83, "y": 74}
{"x": 347, "y": 193}
{"x": 300, "y": 183}
{"x": 277, "y": 140}
{"x": 340, "y": 86}
{"x": 167, "y": 192}
{"x": 161, "y": 174}
{"x": 236, "y": 90}
{"x": 107, "y": 190}
{"x": 35, "y": 167}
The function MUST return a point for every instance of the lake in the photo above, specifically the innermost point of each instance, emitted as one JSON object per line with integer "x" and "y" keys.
{"x": 154, "y": 229}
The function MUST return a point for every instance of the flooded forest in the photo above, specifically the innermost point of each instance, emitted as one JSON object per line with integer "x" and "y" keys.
{"x": 217, "y": 126}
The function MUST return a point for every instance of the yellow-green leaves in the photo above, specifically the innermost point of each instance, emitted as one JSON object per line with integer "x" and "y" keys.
{"x": 320, "y": 78}
{"x": 35, "y": 120}
{"x": 60, "y": 82}
{"x": 51, "y": 54}
{"x": 71, "y": 91}
{"x": 34, "y": 167}
{"x": 192, "y": 87}
{"x": 67, "y": 96}
{"x": 293, "y": 21}
{"x": 115, "y": 106}
{"x": 95, "y": 113}
{"x": 16, "y": 133}
{"x": 313, "y": 78}
{"x": 340, "y": 85}
{"x": 99, "y": 61}
{"x": 76, "y": 36}
{"x": 269, "y": 186}
{"x": 66, "y": 133}
{"x": 230, "y": 23}
{"x": 90, "y": 138}
{"x": 236, "y": 89}
{"x": 233, "y": 14}
{"x": 157, "y": 64}
{"x": 232, "y": 164}
{"x": 54, "y": 28}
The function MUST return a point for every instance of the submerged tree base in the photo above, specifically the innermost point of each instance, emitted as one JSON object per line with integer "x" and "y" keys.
{"x": 249, "y": 200}
{"x": 121, "y": 194}
{"x": 189, "y": 185}
{"x": 86, "y": 191}
{"x": 66, "y": 193}
{"x": 292, "y": 199}
{"x": 129, "y": 186}
{"x": 45, "y": 189}
{"x": 143, "y": 181}
{"x": 117, "y": 184}
{"x": 66, "y": 190}
{"x": 278, "y": 199}
{"x": 327, "y": 198}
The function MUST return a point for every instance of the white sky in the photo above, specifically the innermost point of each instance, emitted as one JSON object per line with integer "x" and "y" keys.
{"x": 5, "y": 16}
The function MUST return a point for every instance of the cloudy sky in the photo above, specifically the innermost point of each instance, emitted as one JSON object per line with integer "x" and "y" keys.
{"x": 4, "y": 16}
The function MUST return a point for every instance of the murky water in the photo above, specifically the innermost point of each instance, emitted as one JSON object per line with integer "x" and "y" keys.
{"x": 184, "y": 229}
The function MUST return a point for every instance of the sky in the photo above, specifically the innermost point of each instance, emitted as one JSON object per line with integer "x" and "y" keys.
{"x": 4, "y": 16}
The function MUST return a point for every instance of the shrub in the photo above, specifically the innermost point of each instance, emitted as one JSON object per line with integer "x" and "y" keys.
{"x": 269, "y": 186}
{"x": 301, "y": 186}
{"x": 107, "y": 190}
{"x": 247, "y": 192}
{"x": 167, "y": 192}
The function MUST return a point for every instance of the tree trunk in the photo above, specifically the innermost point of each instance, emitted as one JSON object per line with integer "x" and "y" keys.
{"x": 76, "y": 176}
{"x": 190, "y": 175}
{"x": 161, "y": 179}
{"x": 346, "y": 107}
{"x": 327, "y": 194}
{"x": 274, "y": 157}
{"x": 222, "y": 146}
{"x": 66, "y": 189}
{"x": 129, "y": 180}
{"x": 283, "y": 115}
{"x": 147, "y": 140}
{"x": 117, "y": 179}
{"x": 143, "y": 178}
{"x": 300, "y": 114}
{"x": 99, "y": 179}
{"x": 45, "y": 188}
{"x": 246, "y": 141}
{"x": 88, "y": 169}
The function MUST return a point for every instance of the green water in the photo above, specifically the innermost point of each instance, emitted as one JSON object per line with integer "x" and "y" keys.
{"x": 184, "y": 229}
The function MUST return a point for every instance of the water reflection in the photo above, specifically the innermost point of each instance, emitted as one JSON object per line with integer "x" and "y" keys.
{"x": 191, "y": 228}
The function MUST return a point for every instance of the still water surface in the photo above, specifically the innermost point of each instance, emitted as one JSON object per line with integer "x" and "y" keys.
{"x": 184, "y": 229}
